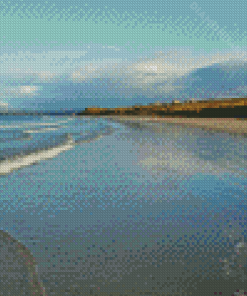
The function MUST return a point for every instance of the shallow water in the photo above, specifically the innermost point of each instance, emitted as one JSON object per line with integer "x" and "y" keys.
{"x": 123, "y": 209}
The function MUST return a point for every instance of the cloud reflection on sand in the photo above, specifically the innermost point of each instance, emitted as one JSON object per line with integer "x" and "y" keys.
{"x": 180, "y": 162}
{"x": 166, "y": 154}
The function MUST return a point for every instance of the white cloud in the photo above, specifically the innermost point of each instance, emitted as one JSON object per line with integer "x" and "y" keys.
{"x": 112, "y": 47}
{"x": 4, "y": 105}
{"x": 166, "y": 67}
{"x": 95, "y": 69}
{"x": 88, "y": 71}
{"x": 45, "y": 76}
{"x": 23, "y": 91}
{"x": 51, "y": 61}
{"x": 176, "y": 64}
{"x": 221, "y": 58}
{"x": 28, "y": 89}
{"x": 146, "y": 74}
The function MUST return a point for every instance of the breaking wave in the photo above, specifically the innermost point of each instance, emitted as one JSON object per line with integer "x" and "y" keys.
{"x": 18, "y": 161}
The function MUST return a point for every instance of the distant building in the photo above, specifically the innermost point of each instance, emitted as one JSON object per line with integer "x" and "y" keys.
{"x": 190, "y": 101}
{"x": 158, "y": 103}
{"x": 175, "y": 101}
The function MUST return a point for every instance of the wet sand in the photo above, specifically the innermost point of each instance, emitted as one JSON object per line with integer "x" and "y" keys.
{"x": 198, "y": 252}
{"x": 229, "y": 125}
{"x": 21, "y": 277}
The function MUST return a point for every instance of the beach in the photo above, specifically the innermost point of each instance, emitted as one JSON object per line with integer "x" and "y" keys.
{"x": 229, "y": 125}
{"x": 124, "y": 208}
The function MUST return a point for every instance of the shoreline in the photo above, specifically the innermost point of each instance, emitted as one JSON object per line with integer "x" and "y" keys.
{"x": 228, "y": 125}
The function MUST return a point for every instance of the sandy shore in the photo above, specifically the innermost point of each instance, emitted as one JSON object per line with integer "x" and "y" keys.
{"x": 229, "y": 125}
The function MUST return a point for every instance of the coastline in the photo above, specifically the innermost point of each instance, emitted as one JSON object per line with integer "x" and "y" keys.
{"x": 228, "y": 125}
{"x": 172, "y": 213}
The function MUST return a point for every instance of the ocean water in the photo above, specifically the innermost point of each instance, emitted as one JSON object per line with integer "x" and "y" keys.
{"x": 110, "y": 208}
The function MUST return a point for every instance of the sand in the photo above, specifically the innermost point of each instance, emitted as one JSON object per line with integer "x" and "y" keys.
{"x": 21, "y": 264}
{"x": 229, "y": 125}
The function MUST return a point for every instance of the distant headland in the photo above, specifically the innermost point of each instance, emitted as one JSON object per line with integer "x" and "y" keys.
{"x": 221, "y": 108}
{"x": 211, "y": 108}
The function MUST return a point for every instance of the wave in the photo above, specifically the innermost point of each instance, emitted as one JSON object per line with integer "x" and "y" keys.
{"x": 11, "y": 126}
{"x": 65, "y": 121}
{"x": 8, "y": 136}
{"x": 44, "y": 123}
{"x": 27, "y": 125}
{"x": 44, "y": 147}
{"x": 87, "y": 139}
{"x": 19, "y": 161}
{"x": 93, "y": 136}
{"x": 21, "y": 138}
{"x": 42, "y": 143}
{"x": 41, "y": 130}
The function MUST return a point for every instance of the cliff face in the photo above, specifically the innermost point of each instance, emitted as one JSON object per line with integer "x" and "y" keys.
{"x": 204, "y": 109}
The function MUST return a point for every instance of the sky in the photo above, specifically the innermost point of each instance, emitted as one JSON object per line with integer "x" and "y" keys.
{"x": 57, "y": 55}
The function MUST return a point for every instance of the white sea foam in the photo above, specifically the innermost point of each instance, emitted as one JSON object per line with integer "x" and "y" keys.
{"x": 11, "y": 126}
{"x": 27, "y": 125}
{"x": 8, "y": 166}
{"x": 42, "y": 130}
{"x": 63, "y": 121}
{"x": 44, "y": 123}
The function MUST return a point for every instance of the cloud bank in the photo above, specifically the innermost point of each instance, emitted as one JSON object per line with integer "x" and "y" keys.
{"x": 61, "y": 75}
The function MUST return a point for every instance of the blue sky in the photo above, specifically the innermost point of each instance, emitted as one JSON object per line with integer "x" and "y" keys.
{"x": 73, "y": 54}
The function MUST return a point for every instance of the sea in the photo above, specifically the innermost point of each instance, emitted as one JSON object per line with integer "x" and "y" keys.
{"x": 126, "y": 208}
